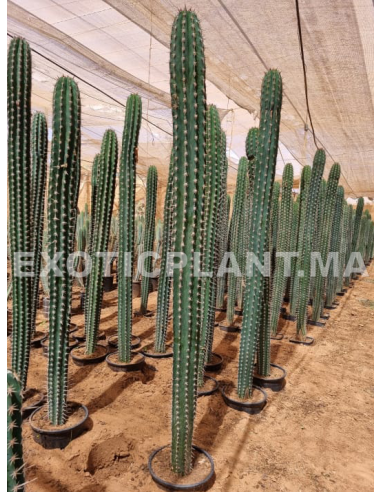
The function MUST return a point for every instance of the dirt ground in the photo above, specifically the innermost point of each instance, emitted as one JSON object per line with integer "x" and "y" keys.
{"x": 315, "y": 435}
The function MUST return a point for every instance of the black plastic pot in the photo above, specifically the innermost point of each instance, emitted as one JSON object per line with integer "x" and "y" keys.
{"x": 28, "y": 410}
{"x": 307, "y": 341}
{"x": 230, "y": 329}
{"x": 325, "y": 316}
{"x": 341, "y": 294}
{"x": 251, "y": 408}
{"x": 201, "y": 485}
{"x": 201, "y": 392}
{"x": 122, "y": 367}
{"x": 286, "y": 299}
{"x": 136, "y": 289}
{"x": 320, "y": 324}
{"x": 45, "y": 306}
{"x": 276, "y": 384}
{"x": 214, "y": 366}
{"x": 53, "y": 439}
{"x": 238, "y": 312}
{"x": 156, "y": 355}
{"x": 72, "y": 328}
{"x": 330, "y": 308}
{"x": 278, "y": 336}
{"x": 82, "y": 337}
{"x": 289, "y": 317}
{"x": 39, "y": 336}
{"x": 220, "y": 310}
{"x": 113, "y": 341}
{"x": 83, "y": 361}
{"x": 108, "y": 284}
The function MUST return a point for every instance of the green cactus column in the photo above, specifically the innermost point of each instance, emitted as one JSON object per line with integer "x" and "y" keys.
{"x": 102, "y": 220}
{"x": 344, "y": 230}
{"x": 19, "y": 186}
{"x": 223, "y": 246}
{"x": 15, "y": 462}
{"x": 149, "y": 233}
{"x": 273, "y": 226}
{"x": 39, "y": 170}
{"x": 303, "y": 264}
{"x": 348, "y": 251}
{"x": 212, "y": 196}
{"x": 127, "y": 180}
{"x": 235, "y": 233}
{"x": 356, "y": 226}
{"x": 165, "y": 280}
{"x": 187, "y": 68}
{"x": 282, "y": 246}
{"x": 64, "y": 178}
{"x": 264, "y": 173}
{"x": 293, "y": 244}
{"x": 94, "y": 188}
{"x": 325, "y": 239}
{"x": 318, "y": 227}
{"x": 334, "y": 248}
{"x": 305, "y": 181}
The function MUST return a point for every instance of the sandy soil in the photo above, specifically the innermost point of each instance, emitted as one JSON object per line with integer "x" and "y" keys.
{"x": 315, "y": 435}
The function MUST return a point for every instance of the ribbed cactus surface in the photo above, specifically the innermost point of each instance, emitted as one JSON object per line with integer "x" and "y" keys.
{"x": 344, "y": 231}
{"x": 348, "y": 251}
{"x": 19, "y": 186}
{"x": 15, "y": 462}
{"x": 187, "y": 70}
{"x": 356, "y": 226}
{"x": 149, "y": 233}
{"x": 223, "y": 246}
{"x": 102, "y": 220}
{"x": 64, "y": 178}
{"x": 264, "y": 172}
{"x": 127, "y": 180}
{"x": 325, "y": 239}
{"x": 303, "y": 265}
{"x": 39, "y": 170}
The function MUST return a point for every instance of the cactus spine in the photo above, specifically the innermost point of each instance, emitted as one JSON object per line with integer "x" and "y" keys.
{"x": 325, "y": 239}
{"x": 15, "y": 463}
{"x": 334, "y": 248}
{"x": 344, "y": 231}
{"x": 223, "y": 246}
{"x": 282, "y": 246}
{"x": 64, "y": 178}
{"x": 303, "y": 263}
{"x": 102, "y": 220}
{"x": 305, "y": 181}
{"x": 19, "y": 185}
{"x": 235, "y": 233}
{"x": 264, "y": 172}
{"x": 94, "y": 188}
{"x": 318, "y": 226}
{"x": 149, "y": 233}
{"x": 213, "y": 169}
{"x": 187, "y": 68}
{"x": 165, "y": 280}
{"x": 356, "y": 226}
{"x": 39, "y": 168}
{"x": 127, "y": 179}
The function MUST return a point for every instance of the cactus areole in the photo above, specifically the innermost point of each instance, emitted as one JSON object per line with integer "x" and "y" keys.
{"x": 187, "y": 69}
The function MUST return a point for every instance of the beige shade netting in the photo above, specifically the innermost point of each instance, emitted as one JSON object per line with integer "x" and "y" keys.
{"x": 116, "y": 47}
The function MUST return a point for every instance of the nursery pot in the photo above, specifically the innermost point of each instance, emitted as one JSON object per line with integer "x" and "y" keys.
{"x": 38, "y": 338}
{"x": 113, "y": 341}
{"x": 275, "y": 384}
{"x": 205, "y": 391}
{"x": 250, "y": 407}
{"x": 133, "y": 366}
{"x": 108, "y": 284}
{"x": 58, "y": 438}
{"x": 45, "y": 306}
{"x": 28, "y": 409}
{"x": 81, "y": 336}
{"x": 215, "y": 364}
{"x": 85, "y": 360}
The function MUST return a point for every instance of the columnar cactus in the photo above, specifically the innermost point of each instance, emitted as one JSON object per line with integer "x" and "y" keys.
{"x": 64, "y": 178}
{"x": 318, "y": 226}
{"x": 305, "y": 180}
{"x": 325, "y": 239}
{"x": 282, "y": 246}
{"x": 236, "y": 227}
{"x": 334, "y": 248}
{"x": 19, "y": 186}
{"x": 94, "y": 188}
{"x": 149, "y": 233}
{"x": 187, "y": 69}
{"x": 139, "y": 244}
{"x": 243, "y": 244}
{"x": 102, "y": 220}
{"x": 223, "y": 246}
{"x": 344, "y": 230}
{"x": 356, "y": 226}
{"x": 127, "y": 180}
{"x": 347, "y": 278}
{"x": 293, "y": 243}
{"x": 251, "y": 147}
{"x": 39, "y": 169}
{"x": 165, "y": 280}
{"x": 273, "y": 226}
{"x": 303, "y": 263}
{"x": 212, "y": 197}
{"x": 15, "y": 462}
{"x": 264, "y": 173}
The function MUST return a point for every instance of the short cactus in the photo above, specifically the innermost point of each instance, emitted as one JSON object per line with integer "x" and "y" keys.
{"x": 15, "y": 462}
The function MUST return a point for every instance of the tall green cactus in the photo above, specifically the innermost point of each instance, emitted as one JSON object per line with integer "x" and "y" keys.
{"x": 282, "y": 246}
{"x": 39, "y": 169}
{"x": 149, "y": 233}
{"x": 165, "y": 280}
{"x": 305, "y": 181}
{"x": 187, "y": 69}
{"x": 214, "y": 163}
{"x": 103, "y": 211}
{"x": 356, "y": 226}
{"x": 127, "y": 180}
{"x": 15, "y": 462}
{"x": 369, "y": 242}
{"x": 94, "y": 188}
{"x": 325, "y": 240}
{"x": 19, "y": 186}
{"x": 334, "y": 247}
{"x": 273, "y": 226}
{"x": 349, "y": 234}
{"x": 264, "y": 173}
{"x": 303, "y": 263}
{"x": 223, "y": 246}
{"x": 236, "y": 227}
{"x": 318, "y": 226}
{"x": 64, "y": 178}
{"x": 344, "y": 231}
{"x": 293, "y": 244}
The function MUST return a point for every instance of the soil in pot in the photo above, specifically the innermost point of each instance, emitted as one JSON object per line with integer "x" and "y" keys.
{"x": 114, "y": 358}
{"x": 80, "y": 352}
{"x": 75, "y": 414}
{"x": 149, "y": 351}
